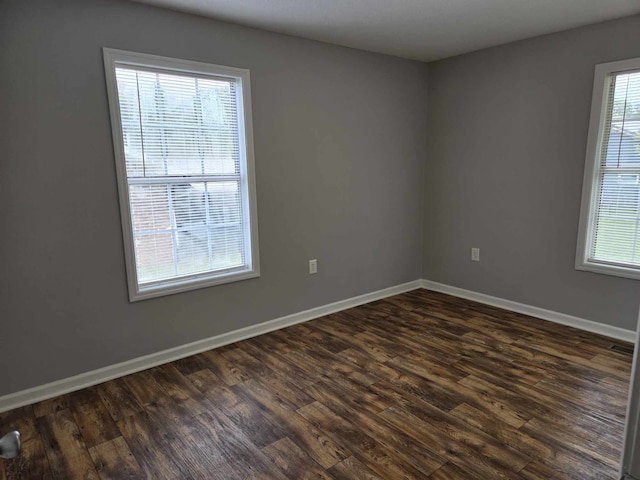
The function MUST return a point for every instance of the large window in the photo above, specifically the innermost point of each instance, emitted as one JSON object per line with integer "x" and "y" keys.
{"x": 184, "y": 161}
{"x": 609, "y": 238}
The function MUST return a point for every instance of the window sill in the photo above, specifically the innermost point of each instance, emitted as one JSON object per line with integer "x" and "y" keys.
{"x": 606, "y": 269}
{"x": 185, "y": 285}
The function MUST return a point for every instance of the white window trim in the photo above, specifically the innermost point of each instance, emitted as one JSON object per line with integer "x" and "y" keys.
{"x": 588, "y": 207}
{"x": 247, "y": 172}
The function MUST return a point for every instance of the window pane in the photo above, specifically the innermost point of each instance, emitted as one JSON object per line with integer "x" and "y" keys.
{"x": 154, "y": 257}
{"x": 149, "y": 208}
{"x": 130, "y": 119}
{"x": 224, "y": 202}
{"x": 226, "y": 231}
{"x": 184, "y": 125}
{"x": 198, "y": 224}
{"x": 615, "y": 240}
{"x": 621, "y": 139}
{"x": 617, "y": 223}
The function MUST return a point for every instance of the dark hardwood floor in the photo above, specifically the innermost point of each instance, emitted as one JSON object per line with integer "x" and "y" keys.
{"x": 420, "y": 385}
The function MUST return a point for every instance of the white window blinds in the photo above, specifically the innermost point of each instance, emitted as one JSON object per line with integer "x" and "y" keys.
{"x": 616, "y": 223}
{"x": 182, "y": 137}
{"x": 609, "y": 229}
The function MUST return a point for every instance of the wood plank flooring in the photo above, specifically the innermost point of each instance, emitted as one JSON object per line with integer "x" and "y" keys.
{"x": 420, "y": 385}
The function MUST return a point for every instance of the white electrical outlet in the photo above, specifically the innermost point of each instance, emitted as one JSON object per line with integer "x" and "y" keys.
{"x": 475, "y": 254}
{"x": 313, "y": 266}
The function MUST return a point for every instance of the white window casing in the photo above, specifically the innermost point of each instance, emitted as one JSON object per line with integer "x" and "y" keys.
{"x": 183, "y": 144}
{"x": 609, "y": 229}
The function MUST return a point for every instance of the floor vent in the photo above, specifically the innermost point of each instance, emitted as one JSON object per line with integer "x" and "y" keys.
{"x": 622, "y": 349}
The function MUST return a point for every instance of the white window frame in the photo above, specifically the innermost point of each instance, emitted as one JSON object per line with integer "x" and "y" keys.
{"x": 591, "y": 181}
{"x": 251, "y": 269}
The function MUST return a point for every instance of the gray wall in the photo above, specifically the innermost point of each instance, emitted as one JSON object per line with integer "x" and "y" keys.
{"x": 340, "y": 148}
{"x": 506, "y": 137}
{"x": 341, "y": 176}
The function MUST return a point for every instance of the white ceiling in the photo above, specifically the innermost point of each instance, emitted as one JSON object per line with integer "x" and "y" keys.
{"x": 417, "y": 29}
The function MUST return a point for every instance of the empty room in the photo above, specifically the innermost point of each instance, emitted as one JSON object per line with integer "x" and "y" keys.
{"x": 318, "y": 239}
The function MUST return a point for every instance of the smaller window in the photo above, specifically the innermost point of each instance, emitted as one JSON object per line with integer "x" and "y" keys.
{"x": 184, "y": 161}
{"x": 609, "y": 233}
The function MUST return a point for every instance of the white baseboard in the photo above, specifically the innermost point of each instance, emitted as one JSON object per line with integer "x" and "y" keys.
{"x": 581, "y": 323}
{"x": 94, "y": 377}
